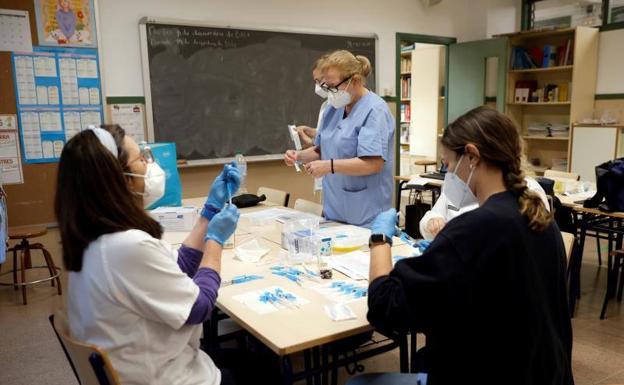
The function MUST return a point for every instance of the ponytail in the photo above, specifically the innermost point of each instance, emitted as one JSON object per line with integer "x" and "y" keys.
{"x": 531, "y": 205}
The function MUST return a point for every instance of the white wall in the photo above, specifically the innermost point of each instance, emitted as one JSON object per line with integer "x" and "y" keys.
{"x": 610, "y": 62}
{"x": 119, "y": 37}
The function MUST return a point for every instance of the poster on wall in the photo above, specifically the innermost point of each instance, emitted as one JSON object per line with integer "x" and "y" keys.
{"x": 58, "y": 95}
{"x": 66, "y": 23}
{"x": 10, "y": 164}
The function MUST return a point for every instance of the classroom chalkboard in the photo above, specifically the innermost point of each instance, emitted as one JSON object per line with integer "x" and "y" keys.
{"x": 216, "y": 91}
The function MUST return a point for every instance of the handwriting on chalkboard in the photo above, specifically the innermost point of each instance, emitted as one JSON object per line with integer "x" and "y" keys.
{"x": 351, "y": 44}
{"x": 197, "y": 37}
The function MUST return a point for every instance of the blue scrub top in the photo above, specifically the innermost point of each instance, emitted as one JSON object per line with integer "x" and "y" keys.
{"x": 367, "y": 131}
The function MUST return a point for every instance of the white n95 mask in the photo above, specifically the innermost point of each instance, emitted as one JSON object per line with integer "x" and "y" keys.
{"x": 340, "y": 98}
{"x": 154, "y": 184}
{"x": 320, "y": 91}
{"x": 456, "y": 190}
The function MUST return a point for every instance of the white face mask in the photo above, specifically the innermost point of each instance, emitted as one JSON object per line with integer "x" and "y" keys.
{"x": 320, "y": 91}
{"x": 339, "y": 99}
{"x": 456, "y": 190}
{"x": 154, "y": 184}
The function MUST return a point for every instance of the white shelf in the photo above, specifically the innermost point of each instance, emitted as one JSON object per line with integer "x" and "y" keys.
{"x": 554, "y": 138}
{"x": 540, "y": 104}
{"x": 547, "y": 69}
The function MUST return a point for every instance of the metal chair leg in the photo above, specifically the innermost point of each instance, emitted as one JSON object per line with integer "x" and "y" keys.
{"x": 610, "y": 286}
{"x": 15, "y": 287}
{"x": 23, "y": 274}
{"x": 598, "y": 249}
{"x": 621, "y": 270}
{"x": 53, "y": 270}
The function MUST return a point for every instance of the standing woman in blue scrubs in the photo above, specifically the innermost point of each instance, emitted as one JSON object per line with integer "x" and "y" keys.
{"x": 354, "y": 144}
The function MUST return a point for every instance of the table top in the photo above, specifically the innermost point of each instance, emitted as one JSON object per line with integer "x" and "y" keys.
{"x": 288, "y": 330}
{"x": 429, "y": 181}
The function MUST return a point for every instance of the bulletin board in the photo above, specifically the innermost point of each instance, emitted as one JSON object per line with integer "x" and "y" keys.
{"x": 58, "y": 94}
{"x": 33, "y": 201}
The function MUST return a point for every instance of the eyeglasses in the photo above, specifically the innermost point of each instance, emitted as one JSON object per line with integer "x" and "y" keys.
{"x": 334, "y": 89}
{"x": 146, "y": 152}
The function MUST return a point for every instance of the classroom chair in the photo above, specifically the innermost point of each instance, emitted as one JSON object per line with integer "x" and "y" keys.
{"x": 425, "y": 162}
{"x": 309, "y": 207}
{"x": 278, "y": 197}
{"x": 568, "y": 242}
{"x": 615, "y": 268}
{"x": 25, "y": 259}
{"x": 90, "y": 363}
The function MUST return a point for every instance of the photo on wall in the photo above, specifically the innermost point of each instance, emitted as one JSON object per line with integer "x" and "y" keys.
{"x": 66, "y": 23}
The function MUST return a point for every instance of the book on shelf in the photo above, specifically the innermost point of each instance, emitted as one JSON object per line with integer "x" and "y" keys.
{"x": 406, "y": 65}
{"x": 527, "y": 91}
{"x": 405, "y": 113}
{"x": 406, "y": 88}
{"x": 546, "y": 56}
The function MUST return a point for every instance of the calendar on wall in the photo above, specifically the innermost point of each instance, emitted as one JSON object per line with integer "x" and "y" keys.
{"x": 15, "y": 31}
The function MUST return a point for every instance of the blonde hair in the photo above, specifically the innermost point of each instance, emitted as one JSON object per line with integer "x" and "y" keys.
{"x": 318, "y": 64}
{"x": 348, "y": 64}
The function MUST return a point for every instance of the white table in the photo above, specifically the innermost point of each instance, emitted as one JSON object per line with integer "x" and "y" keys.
{"x": 286, "y": 331}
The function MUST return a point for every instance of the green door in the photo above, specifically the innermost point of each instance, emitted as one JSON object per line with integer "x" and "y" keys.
{"x": 467, "y": 75}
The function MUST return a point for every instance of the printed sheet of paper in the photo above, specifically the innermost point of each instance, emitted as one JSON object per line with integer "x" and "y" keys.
{"x": 15, "y": 31}
{"x": 10, "y": 162}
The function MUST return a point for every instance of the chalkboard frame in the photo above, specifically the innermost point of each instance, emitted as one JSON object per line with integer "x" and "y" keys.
{"x": 149, "y": 116}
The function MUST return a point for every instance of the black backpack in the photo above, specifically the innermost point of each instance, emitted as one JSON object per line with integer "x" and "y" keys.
{"x": 610, "y": 187}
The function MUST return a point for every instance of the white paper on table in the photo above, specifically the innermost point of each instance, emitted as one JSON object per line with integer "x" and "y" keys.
{"x": 339, "y": 312}
{"x": 418, "y": 181}
{"x": 251, "y": 251}
{"x": 271, "y": 213}
{"x": 252, "y": 300}
{"x": 334, "y": 294}
{"x": 15, "y": 31}
{"x": 355, "y": 265}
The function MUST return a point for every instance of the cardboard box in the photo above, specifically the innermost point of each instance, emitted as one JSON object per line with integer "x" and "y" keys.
{"x": 176, "y": 218}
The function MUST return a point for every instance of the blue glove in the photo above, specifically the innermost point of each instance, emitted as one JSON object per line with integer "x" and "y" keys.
{"x": 423, "y": 245}
{"x": 225, "y": 185}
{"x": 223, "y": 225}
{"x": 385, "y": 223}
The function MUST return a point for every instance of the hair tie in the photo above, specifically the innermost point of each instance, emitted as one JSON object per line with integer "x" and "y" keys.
{"x": 106, "y": 138}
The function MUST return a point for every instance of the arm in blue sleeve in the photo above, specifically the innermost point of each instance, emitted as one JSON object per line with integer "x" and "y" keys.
{"x": 189, "y": 260}
{"x": 208, "y": 282}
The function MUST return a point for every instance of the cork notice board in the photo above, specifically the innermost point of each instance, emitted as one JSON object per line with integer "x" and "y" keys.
{"x": 33, "y": 201}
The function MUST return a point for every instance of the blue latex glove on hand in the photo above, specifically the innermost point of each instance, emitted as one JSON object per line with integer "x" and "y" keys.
{"x": 385, "y": 223}
{"x": 225, "y": 185}
{"x": 423, "y": 245}
{"x": 223, "y": 225}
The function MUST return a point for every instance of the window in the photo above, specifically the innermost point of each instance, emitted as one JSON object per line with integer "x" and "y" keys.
{"x": 543, "y": 14}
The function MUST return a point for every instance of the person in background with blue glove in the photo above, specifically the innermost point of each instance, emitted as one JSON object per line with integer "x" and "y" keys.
{"x": 490, "y": 292}
{"x": 130, "y": 292}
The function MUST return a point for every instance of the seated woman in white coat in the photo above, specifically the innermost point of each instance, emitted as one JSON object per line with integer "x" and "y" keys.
{"x": 444, "y": 210}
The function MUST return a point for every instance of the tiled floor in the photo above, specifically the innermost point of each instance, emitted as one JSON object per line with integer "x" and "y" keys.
{"x": 30, "y": 353}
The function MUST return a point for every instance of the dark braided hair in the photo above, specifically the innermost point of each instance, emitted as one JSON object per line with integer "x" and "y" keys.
{"x": 499, "y": 144}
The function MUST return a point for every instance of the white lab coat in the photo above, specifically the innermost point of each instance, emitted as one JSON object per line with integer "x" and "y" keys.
{"x": 132, "y": 299}
{"x": 444, "y": 210}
